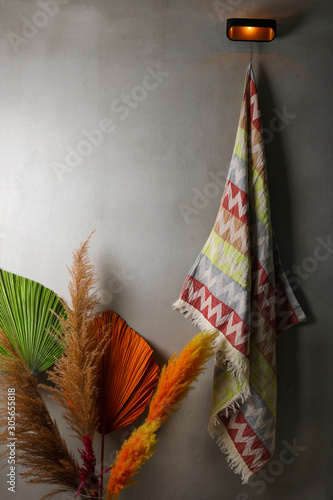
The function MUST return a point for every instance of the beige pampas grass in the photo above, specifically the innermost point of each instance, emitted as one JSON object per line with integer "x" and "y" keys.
{"x": 75, "y": 379}
{"x": 39, "y": 445}
{"x": 76, "y": 374}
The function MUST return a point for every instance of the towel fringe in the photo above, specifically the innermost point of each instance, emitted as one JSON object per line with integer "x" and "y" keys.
{"x": 195, "y": 316}
{"x": 234, "y": 460}
{"x": 235, "y": 362}
{"x": 234, "y": 404}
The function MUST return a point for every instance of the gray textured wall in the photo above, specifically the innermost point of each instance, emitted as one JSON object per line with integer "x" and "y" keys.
{"x": 69, "y": 75}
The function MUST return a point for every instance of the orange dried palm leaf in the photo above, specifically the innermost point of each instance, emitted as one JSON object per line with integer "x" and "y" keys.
{"x": 175, "y": 382}
{"x": 128, "y": 373}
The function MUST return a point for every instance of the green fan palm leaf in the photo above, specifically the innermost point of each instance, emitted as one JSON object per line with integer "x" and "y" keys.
{"x": 29, "y": 311}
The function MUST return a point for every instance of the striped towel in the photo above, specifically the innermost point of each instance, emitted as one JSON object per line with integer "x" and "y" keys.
{"x": 237, "y": 286}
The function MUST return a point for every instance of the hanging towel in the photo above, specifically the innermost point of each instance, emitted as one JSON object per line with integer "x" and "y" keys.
{"x": 237, "y": 287}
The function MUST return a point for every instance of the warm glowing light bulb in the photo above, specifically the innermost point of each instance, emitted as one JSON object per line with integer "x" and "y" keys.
{"x": 256, "y": 30}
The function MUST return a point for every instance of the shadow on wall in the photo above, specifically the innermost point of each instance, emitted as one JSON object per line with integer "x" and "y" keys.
{"x": 281, "y": 209}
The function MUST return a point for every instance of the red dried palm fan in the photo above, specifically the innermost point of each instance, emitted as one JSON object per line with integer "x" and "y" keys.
{"x": 128, "y": 374}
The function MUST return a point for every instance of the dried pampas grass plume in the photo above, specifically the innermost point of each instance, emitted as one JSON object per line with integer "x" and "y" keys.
{"x": 40, "y": 447}
{"x": 76, "y": 374}
{"x": 174, "y": 384}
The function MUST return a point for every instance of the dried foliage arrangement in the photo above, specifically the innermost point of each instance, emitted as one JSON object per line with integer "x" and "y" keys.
{"x": 26, "y": 312}
{"x": 178, "y": 375}
{"x": 129, "y": 373}
{"x": 89, "y": 345}
{"x": 103, "y": 381}
{"x": 174, "y": 384}
{"x": 136, "y": 450}
{"x": 128, "y": 377}
{"x": 41, "y": 447}
{"x": 90, "y": 479}
{"x": 76, "y": 374}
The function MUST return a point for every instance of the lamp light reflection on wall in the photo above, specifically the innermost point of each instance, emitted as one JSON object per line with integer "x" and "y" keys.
{"x": 251, "y": 30}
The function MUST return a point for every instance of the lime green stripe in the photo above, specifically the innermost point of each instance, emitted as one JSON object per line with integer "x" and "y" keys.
{"x": 240, "y": 144}
{"x": 261, "y": 197}
{"x": 219, "y": 258}
{"x": 225, "y": 388}
{"x": 263, "y": 378}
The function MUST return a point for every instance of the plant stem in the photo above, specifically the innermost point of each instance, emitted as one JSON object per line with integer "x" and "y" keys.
{"x": 102, "y": 464}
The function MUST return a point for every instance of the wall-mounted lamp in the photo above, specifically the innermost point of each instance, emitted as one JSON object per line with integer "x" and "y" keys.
{"x": 251, "y": 30}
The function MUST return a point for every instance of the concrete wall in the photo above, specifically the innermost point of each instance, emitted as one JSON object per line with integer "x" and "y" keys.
{"x": 165, "y": 75}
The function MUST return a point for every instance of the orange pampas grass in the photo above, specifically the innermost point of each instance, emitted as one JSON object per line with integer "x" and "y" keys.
{"x": 174, "y": 384}
{"x": 177, "y": 376}
{"x": 136, "y": 450}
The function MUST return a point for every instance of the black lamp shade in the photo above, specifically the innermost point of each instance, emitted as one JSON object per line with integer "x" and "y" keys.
{"x": 251, "y": 30}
